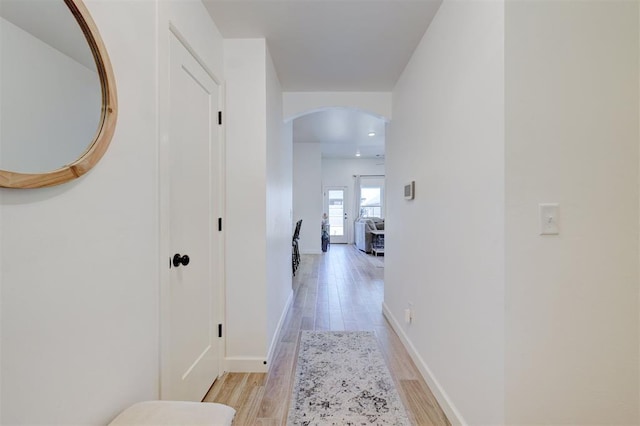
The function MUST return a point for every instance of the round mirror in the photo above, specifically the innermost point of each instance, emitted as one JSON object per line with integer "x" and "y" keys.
{"x": 57, "y": 94}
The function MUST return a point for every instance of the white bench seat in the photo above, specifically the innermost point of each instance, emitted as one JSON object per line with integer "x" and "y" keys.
{"x": 181, "y": 413}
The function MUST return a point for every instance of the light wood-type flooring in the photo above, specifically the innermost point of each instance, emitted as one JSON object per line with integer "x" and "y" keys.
{"x": 338, "y": 290}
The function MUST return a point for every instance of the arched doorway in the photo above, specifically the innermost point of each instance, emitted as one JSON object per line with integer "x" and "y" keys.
{"x": 331, "y": 147}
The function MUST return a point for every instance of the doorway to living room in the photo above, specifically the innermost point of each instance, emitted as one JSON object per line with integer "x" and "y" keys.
{"x": 331, "y": 146}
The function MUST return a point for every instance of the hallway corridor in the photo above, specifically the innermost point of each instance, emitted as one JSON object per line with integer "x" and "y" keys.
{"x": 341, "y": 289}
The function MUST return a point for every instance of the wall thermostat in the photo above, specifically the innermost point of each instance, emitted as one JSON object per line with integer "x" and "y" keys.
{"x": 409, "y": 190}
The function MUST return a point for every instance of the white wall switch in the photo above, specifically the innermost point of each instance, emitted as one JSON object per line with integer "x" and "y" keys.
{"x": 549, "y": 219}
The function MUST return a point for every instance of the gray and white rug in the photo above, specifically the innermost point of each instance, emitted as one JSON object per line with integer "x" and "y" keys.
{"x": 341, "y": 379}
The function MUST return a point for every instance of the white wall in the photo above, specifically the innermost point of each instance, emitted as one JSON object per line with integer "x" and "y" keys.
{"x": 246, "y": 225}
{"x": 340, "y": 171}
{"x": 444, "y": 250}
{"x": 307, "y": 195}
{"x": 549, "y": 334}
{"x": 258, "y": 156}
{"x": 279, "y": 206}
{"x": 52, "y": 97}
{"x": 79, "y": 262}
{"x": 572, "y": 138}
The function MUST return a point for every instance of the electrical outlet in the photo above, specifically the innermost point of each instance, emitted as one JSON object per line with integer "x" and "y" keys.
{"x": 408, "y": 313}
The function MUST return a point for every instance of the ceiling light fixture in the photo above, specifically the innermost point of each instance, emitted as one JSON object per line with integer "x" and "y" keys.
{"x": 372, "y": 134}
{"x": 357, "y": 153}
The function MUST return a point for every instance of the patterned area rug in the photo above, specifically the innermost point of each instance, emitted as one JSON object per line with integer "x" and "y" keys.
{"x": 341, "y": 379}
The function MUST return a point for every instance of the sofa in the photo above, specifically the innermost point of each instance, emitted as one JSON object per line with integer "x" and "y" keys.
{"x": 362, "y": 229}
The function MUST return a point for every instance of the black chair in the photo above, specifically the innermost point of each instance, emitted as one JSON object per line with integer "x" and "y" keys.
{"x": 295, "y": 259}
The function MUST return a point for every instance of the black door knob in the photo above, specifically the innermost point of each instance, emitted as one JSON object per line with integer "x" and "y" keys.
{"x": 177, "y": 260}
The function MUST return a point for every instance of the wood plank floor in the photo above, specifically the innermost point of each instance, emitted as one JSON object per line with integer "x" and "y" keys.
{"x": 338, "y": 290}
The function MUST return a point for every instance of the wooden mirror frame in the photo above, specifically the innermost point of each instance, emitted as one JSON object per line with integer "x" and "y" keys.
{"x": 106, "y": 125}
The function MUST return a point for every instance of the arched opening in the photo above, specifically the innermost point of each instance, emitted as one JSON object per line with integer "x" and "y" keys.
{"x": 339, "y": 170}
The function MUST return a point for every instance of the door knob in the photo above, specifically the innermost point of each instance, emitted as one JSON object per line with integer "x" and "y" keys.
{"x": 177, "y": 260}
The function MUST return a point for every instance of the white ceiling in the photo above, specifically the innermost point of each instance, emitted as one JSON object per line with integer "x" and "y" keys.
{"x": 342, "y": 133}
{"x": 332, "y": 45}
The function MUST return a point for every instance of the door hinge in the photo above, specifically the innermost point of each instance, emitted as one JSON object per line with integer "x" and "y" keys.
{"x": 219, "y": 330}
{"x": 219, "y": 224}
{"x": 220, "y": 118}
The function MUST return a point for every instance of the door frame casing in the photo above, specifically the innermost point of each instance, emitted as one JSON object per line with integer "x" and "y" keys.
{"x": 166, "y": 30}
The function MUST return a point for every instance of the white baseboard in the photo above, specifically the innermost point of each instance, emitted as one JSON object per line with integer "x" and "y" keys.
{"x": 445, "y": 402}
{"x": 276, "y": 336}
{"x": 241, "y": 364}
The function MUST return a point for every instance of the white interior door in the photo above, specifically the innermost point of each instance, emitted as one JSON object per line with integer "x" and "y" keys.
{"x": 335, "y": 203}
{"x": 194, "y": 184}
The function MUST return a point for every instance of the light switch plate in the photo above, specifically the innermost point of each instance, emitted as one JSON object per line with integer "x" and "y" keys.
{"x": 549, "y": 219}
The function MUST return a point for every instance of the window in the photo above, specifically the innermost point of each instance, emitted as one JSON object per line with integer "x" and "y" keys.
{"x": 372, "y": 197}
{"x": 370, "y": 202}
